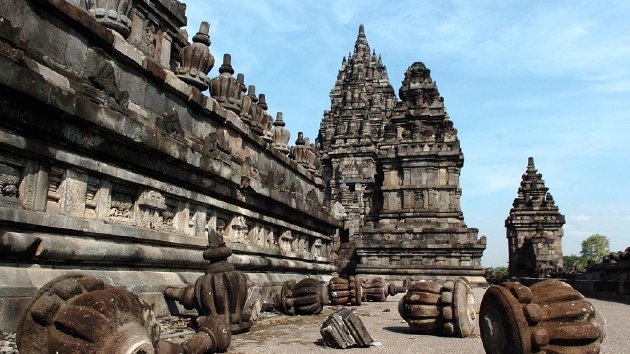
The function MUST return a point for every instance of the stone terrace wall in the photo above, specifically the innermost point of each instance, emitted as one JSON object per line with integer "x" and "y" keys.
{"x": 111, "y": 164}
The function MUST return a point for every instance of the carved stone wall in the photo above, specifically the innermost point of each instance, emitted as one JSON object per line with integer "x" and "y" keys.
{"x": 110, "y": 164}
{"x": 392, "y": 169}
{"x": 534, "y": 229}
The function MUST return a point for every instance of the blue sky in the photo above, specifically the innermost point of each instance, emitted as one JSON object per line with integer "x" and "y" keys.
{"x": 548, "y": 79}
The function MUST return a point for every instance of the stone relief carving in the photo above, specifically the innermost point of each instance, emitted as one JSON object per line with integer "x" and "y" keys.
{"x": 316, "y": 249}
{"x": 285, "y": 241}
{"x": 55, "y": 177}
{"x": 237, "y": 230}
{"x": 339, "y": 211}
{"x": 9, "y": 180}
{"x": 121, "y": 206}
{"x": 170, "y": 124}
{"x": 112, "y": 14}
{"x": 91, "y": 202}
{"x": 104, "y": 78}
{"x": 152, "y": 199}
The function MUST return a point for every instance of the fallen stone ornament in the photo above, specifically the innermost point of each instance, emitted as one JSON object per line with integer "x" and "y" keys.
{"x": 303, "y": 298}
{"x": 548, "y": 317}
{"x": 344, "y": 329}
{"x": 393, "y": 290}
{"x": 345, "y": 291}
{"x": 78, "y": 313}
{"x": 221, "y": 292}
{"x": 432, "y": 308}
{"x": 213, "y": 336}
{"x": 375, "y": 289}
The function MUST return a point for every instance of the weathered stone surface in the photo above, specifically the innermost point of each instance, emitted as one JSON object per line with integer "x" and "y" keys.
{"x": 225, "y": 88}
{"x": 432, "y": 308}
{"x": 280, "y": 135}
{"x": 345, "y": 291}
{"x": 112, "y": 14}
{"x": 549, "y": 317}
{"x": 221, "y": 292}
{"x": 609, "y": 278}
{"x": 303, "y": 298}
{"x": 392, "y": 169}
{"x": 374, "y": 289}
{"x": 77, "y": 313}
{"x": 196, "y": 61}
{"x": 343, "y": 329}
{"x": 125, "y": 173}
{"x": 213, "y": 336}
{"x": 534, "y": 229}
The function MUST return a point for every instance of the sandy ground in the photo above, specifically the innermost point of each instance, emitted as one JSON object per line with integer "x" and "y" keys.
{"x": 278, "y": 334}
{"x": 300, "y": 334}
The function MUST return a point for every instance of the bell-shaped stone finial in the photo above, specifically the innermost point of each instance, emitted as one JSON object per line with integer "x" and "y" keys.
{"x": 262, "y": 101}
{"x": 240, "y": 77}
{"x": 112, "y": 14}
{"x": 302, "y": 153}
{"x": 281, "y": 136}
{"x": 256, "y": 111}
{"x": 267, "y": 120}
{"x": 251, "y": 92}
{"x": 195, "y": 59}
{"x": 225, "y": 88}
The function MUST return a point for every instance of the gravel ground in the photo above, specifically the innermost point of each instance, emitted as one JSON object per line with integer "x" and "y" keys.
{"x": 278, "y": 334}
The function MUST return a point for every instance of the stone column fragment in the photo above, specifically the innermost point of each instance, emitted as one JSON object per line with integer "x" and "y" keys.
{"x": 343, "y": 329}
{"x": 549, "y": 317}
{"x": 432, "y": 308}
{"x": 303, "y": 298}
{"x": 345, "y": 291}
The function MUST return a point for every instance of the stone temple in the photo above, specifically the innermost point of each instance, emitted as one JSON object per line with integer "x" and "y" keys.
{"x": 125, "y": 152}
{"x": 534, "y": 229}
{"x": 392, "y": 172}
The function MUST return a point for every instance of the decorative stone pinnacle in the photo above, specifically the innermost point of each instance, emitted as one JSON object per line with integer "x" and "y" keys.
{"x": 280, "y": 136}
{"x": 226, "y": 67}
{"x": 530, "y": 165}
{"x": 203, "y": 36}
{"x": 112, "y": 14}
{"x": 262, "y": 101}
{"x": 361, "y": 30}
{"x": 300, "y": 139}
{"x": 241, "y": 80}
{"x": 226, "y": 89}
{"x": 279, "y": 122}
{"x": 251, "y": 92}
{"x": 195, "y": 59}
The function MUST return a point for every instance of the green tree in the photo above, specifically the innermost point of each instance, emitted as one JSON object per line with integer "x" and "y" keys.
{"x": 595, "y": 247}
{"x": 572, "y": 260}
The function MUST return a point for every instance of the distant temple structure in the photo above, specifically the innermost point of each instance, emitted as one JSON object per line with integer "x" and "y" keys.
{"x": 534, "y": 229}
{"x": 392, "y": 170}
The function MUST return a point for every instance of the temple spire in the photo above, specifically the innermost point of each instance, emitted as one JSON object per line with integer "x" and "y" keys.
{"x": 361, "y": 43}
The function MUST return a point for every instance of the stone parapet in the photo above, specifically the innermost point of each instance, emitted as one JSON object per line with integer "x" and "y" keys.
{"x": 112, "y": 165}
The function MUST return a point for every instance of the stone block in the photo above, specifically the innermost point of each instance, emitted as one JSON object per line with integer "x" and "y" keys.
{"x": 343, "y": 329}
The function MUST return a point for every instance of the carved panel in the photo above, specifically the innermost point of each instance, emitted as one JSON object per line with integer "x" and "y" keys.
{"x": 10, "y": 177}
{"x": 285, "y": 241}
{"x": 122, "y": 205}
{"x": 55, "y": 179}
{"x": 236, "y": 231}
{"x": 91, "y": 198}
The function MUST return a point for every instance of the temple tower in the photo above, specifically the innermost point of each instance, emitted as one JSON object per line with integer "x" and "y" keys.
{"x": 350, "y": 131}
{"x": 394, "y": 166}
{"x": 534, "y": 229}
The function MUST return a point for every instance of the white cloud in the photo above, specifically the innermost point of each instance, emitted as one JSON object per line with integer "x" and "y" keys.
{"x": 580, "y": 218}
